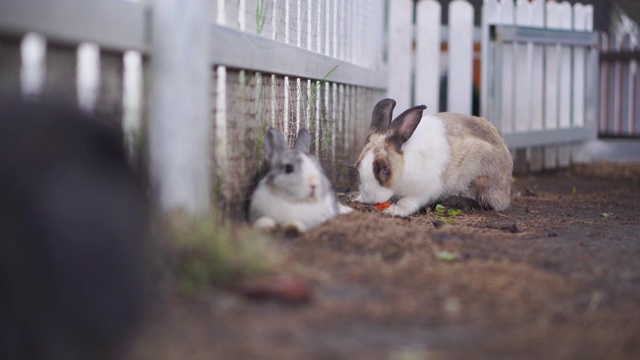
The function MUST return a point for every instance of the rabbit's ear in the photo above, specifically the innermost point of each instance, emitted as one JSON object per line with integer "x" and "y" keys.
{"x": 404, "y": 125}
{"x": 274, "y": 143}
{"x": 382, "y": 115}
{"x": 304, "y": 141}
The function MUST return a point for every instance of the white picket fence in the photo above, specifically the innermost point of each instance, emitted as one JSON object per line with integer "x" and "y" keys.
{"x": 210, "y": 75}
{"x": 216, "y": 73}
{"x": 538, "y": 70}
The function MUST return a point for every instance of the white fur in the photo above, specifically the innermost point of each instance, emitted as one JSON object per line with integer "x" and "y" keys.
{"x": 426, "y": 155}
{"x": 291, "y": 204}
{"x": 285, "y": 212}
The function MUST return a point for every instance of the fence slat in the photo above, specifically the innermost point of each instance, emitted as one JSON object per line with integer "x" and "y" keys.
{"x": 579, "y": 68}
{"x": 507, "y": 96}
{"x": 88, "y": 75}
{"x": 523, "y": 70}
{"x": 634, "y": 118}
{"x": 552, "y": 83}
{"x": 93, "y": 21}
{"x": 459, "y": 86}
{"x": 179, "y": 150}
{"x": 564, "y": 101}
{"x": 487, "y": 92}
{"x": 427, "y": 77}
{"x": 33, "y": 49}
{"x": 400, "y": 53}
{"x": 537, "y": 85}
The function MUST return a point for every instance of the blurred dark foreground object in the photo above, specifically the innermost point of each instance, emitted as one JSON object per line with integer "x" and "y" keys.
{"x": 73, "y": 220}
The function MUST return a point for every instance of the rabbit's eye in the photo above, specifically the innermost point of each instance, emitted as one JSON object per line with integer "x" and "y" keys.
{"x": 385, "y": 170}
{"x": 288, "y": 168}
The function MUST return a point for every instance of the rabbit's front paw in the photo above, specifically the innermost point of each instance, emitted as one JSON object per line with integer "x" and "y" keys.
{"x": 404, "y": 207}
{"x": 343, "y": 209}
{"x": 395, "y": 210}
{"x": 265, "y": 223}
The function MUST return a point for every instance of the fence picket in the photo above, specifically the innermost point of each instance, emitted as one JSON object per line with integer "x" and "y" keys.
{"x": 427, "y": 77}
{"x": 579, "y": 68}
{"x": 487, "y": 93}
{"x": 552, "y": 83}
{"x": 634, "y": 118}
{"x": 537, "y": 82}
{"x": 506, "y": 11}
{"x": 537, "y": 85}
{"x": 564, "y": 101}
{"x": 523, "y": 70}
{"x": 459, "y": 86}
{"x": 399, "y": 53}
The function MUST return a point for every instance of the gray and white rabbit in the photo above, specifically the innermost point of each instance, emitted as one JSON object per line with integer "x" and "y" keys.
{"x": 295, "y": 194}
{"x": 423, "y": 159}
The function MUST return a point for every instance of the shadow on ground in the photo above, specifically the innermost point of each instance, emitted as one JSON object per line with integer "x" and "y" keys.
{"x": 557, "y": 275}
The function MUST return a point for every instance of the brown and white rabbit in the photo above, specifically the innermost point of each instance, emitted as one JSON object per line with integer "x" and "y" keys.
{"x": 425, "y": 159}
{"x": 295, "y": 194}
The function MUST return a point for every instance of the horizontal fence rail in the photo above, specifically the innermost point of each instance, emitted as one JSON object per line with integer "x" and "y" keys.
{"x": 114, "y": 25}
{"x": 241, "y": 50}
{"x": 525, "y": 34}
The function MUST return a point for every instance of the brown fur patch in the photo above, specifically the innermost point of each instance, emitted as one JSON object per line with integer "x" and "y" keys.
{"x": 479, "y": 158}
{"x": 384, "y": 154}
{"x": 382, "y": 171}
{"x": 459, "y": 125}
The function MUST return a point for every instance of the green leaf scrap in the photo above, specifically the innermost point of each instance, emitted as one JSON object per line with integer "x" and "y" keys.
{"x": 454, "y": 212}
{"x": 446, "y": 255}
{"x": 440, "y": 208}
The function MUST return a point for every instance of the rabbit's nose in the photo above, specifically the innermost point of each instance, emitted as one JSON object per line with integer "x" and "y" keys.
{"x": 313, "y": 190}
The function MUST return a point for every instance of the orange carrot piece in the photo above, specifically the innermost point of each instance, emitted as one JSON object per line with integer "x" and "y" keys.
{"x": 382, "y": 206}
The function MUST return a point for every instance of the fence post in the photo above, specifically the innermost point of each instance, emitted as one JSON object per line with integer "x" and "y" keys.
{"x": 488, "y": 97}
{"x": 400, "y": 53}
{"x": 179, "y": 104}
{"x": 460, "y": 79}
{"x": 427, "y": 80}
{"x": 579, "y": 70}
{"x": 507, "y": 65}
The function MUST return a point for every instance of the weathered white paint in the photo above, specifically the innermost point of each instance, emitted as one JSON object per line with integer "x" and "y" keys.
{"x": 427, "y": 71}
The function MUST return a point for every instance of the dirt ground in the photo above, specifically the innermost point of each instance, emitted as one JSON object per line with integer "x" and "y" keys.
{"x": 555, "y": 276}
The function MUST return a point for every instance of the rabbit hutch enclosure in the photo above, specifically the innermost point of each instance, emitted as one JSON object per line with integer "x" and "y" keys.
{"x": 199, "y": 81}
